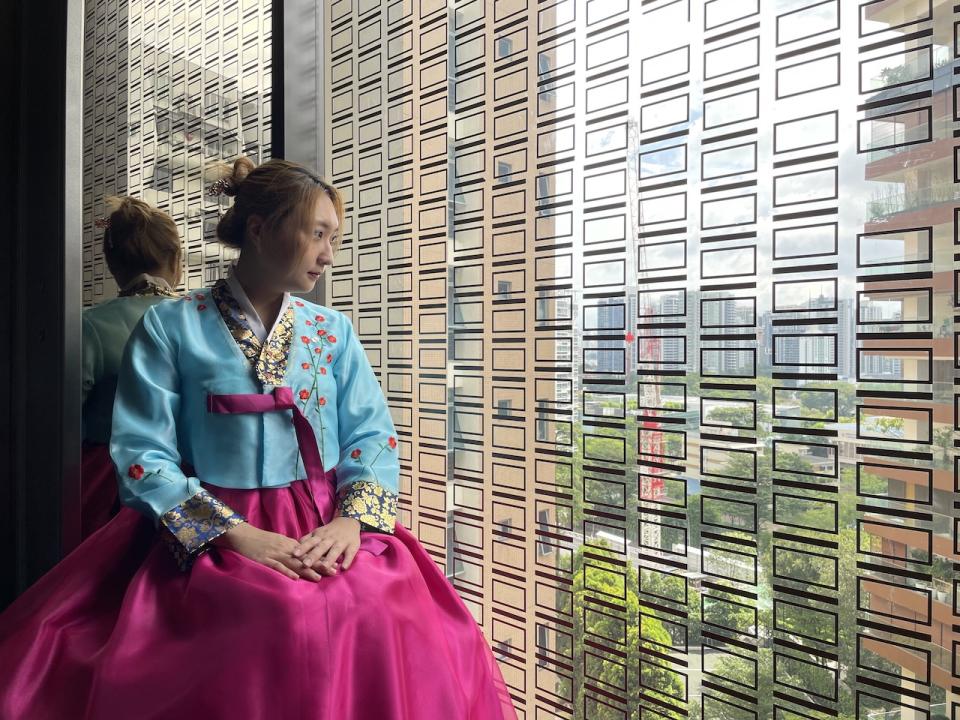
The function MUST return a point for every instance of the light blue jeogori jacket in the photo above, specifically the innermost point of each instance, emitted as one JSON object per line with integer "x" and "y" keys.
{"x": 186, "y": 354}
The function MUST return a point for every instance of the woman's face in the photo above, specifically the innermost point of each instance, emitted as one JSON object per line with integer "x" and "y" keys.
{"x": 294, "y": 260}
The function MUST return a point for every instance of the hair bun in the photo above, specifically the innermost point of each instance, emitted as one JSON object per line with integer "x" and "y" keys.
{"x": 128, "y": 211}
{"x": 242, "y": 167}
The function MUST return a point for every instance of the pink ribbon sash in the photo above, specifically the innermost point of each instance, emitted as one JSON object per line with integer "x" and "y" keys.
{"x": 282, "y": 399}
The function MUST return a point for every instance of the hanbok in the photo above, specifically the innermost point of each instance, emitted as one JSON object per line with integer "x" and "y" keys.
{"x": 218, "y": 421}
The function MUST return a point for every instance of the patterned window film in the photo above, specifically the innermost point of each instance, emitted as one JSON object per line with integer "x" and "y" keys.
{"x": 171, "y": 87}
{"x": 662, "y": 295}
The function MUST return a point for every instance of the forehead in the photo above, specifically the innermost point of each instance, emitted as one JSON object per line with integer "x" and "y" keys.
{"x": 324, "y": 213}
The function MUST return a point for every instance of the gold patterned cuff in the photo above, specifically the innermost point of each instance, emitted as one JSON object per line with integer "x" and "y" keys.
{"x": 370, "y": 503}
{"x": 191, "y": 526}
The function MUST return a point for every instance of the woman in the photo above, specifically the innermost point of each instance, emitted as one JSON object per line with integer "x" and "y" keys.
{"x": 141, "y": 247}
{"x": 249, "y": 427}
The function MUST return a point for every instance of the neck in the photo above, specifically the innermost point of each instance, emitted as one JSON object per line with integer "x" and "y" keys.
{"x": 265, "y": 300}
{"x": 171, "y": 276}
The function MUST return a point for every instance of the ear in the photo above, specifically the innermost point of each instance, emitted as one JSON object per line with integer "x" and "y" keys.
{"x": 254, "y": 228}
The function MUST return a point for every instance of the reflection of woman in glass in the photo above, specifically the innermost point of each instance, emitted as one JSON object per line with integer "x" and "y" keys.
{"x": 141, "y": 247}
{"x": 250, "y": 428}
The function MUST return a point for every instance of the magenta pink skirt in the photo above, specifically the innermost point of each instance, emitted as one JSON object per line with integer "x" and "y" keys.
{"x": 116, "y": 631}
{"x": 98, "y": 484}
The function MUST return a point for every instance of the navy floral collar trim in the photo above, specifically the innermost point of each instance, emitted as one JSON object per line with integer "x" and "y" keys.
{"x": 269, "y": 359}
{"x": 146, "y": 285}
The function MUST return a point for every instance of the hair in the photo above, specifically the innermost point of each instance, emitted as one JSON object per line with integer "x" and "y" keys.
{"x": 139, "y": 239}
{"x": 276, "y": 191}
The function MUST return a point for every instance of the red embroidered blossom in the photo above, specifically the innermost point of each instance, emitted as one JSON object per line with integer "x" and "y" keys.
{"x": 323, "y": 371}
{"x": 304, "y": 394}
{"x": 331, "y": 338}
{"x": 309, "y": 323}
{"x": 201, "y": 296}
{"x": 188, "y": 298}
{"x": 321, "y": 318}
{"x": 355, "y": 454}
{"x": 318, "y": 350}
{"x": 322, "y": 401}
{"x": 305, "y": 366}
{"x": 305, "y": 340}
{"x": 201, "y": 307}
{"x": 629, "y": 337}
{"x": 329, "y": 357}
{"x": 392, "y": 442}
{"x": 321, "y": 333}
{"x": 135, "y": 471}
{"x": 298, "y": 303}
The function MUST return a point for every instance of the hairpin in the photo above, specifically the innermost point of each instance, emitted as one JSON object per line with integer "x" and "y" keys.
{"x": 102, "y": 222}
{"x": 219, "y": 187}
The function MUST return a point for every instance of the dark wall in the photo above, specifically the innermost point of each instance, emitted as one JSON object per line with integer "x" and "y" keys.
{"x": 40, "y": 275}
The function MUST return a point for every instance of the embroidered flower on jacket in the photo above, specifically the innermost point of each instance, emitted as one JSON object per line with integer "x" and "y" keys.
{"x": 329, "y": 357}
{"x": 201, "y": 307}
{"x": 201, "y": 296}
{"x": 298, "y": 303}
{"x": 390, "y": 444}
{"x": 135, "y": 471}
{"x": 319, "y": 344}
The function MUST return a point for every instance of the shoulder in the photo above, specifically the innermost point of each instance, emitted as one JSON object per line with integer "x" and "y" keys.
{"x": 171, "y": 315}
{"x": 179, "y": 308}
{"x": 103, "y": 312}
{"x": 333, "y": 320}
{"x": 119, "y": 311}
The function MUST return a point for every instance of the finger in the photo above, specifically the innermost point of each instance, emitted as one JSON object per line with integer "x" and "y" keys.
{"x": 308, "y": 573}
{"x": 304, "y": 546}
{"x": 317, "y": 552}
{"x": 327, "y": 568}
{"x": 327, "y": 564}
{"x": 295, "y": 566}
{"x": 281, "y": 568}
{"x": 318, "y": 533}
{"x": 333, "y": 554}
{"x": 348, "y": 556}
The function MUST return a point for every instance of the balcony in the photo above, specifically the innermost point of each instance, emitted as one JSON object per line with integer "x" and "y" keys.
{"x": 884, "y": 207}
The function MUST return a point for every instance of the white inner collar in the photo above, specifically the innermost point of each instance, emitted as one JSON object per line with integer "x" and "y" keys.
{"x": 253, "y": 318}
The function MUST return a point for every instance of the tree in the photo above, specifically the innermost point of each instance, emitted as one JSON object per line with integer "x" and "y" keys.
{"x": 655, "y": 638}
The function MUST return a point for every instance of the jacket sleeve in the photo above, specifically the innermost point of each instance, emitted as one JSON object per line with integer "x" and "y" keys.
{"x": 92, "y": 366}
{"x": 368, "y": 469}
{"x": 144, "y": 448}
